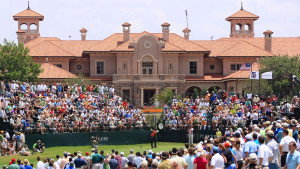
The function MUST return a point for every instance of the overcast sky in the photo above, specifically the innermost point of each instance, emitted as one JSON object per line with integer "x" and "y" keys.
{"x": 104, "y": 17}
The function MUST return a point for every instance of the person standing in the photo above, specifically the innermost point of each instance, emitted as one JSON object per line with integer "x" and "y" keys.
{"x": 273, "y": 146}
{"x": 153, "y": 138}
{"x": 131, "y": 156}
{"x": 79, "y": 162}
{"x": 200, "y": 162}
{"x": 284, "y": 146}
{"x": 40, "y": 164}
{"x": 293, "y": 157}
{"x": 113, "y": 163}
{"x": 264, "y": 153}
{"x": 217, "y": 161}
{"x": 190, "y": 133}
{"x": 96, "y": 159}
{"x": 189, "y": 158}
{"x": 250, "y": 147}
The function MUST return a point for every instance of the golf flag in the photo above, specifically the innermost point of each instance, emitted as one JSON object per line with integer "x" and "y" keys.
{"x": 267, "y": 75}
{"x": 246, "y": 66}
{"x": 254, "y": 75}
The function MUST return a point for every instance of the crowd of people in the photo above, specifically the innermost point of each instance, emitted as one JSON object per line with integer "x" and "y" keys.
{"x": 226, "y": 110}
{"x": 272, "y": 146}
{"x": 57, "y": 108}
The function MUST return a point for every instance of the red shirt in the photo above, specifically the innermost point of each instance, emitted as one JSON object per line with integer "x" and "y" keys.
{"x": 124, "y": 104}
{"x": 201, "y": 162}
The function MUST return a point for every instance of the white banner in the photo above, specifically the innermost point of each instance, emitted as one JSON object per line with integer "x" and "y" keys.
{"x": 254, "y": 75}
{"x": 267, "y": 75}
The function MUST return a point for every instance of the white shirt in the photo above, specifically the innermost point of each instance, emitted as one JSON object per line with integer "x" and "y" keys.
{"x": 40, "y": 165}
{"x": 249, "y": 95}
{"x": 217, "y": 161}
{"x": 265, "y": 153}
{"x": 285, "y": 141}
{"x": 238, "y": 154}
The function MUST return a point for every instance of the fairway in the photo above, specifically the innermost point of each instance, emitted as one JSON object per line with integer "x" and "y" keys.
{"x": 53, "y": 151}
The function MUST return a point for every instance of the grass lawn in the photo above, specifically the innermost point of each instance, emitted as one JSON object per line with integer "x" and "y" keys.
{"x": 53, "y": 151}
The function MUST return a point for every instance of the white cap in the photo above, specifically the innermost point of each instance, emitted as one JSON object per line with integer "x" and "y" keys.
{"x": 150, "y": 151}
{"x": 248, "y": 137}
{"x": 122, "y": 153}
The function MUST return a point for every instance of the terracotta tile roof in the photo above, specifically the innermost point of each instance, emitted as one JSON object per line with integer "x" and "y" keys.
{"x": 165, "y": 24}
{"x": 244, "y": 48}
{"x": 126, "y": 24}
{"x": 21, "y": 31}
{"x": 205, "y": 78}
{"x": 268, "y": 31}
{"x": 75, "y": 47}
{"x": 233, "y": 47}
{"x": 53, "y": 72}
{"x": 280, "y": 45}
{"x": 47, "y": 48}
{"x": 109, "y": 43}
{"x": 242, "y": 14}
{"x": 125, "y": 46}
{"x": 186, "y": 30}
{"x": 28, "y": 13}
{"x": 57, "y": 47}
{"x": 38, "y": 40}
{"x": 83, "y": 30}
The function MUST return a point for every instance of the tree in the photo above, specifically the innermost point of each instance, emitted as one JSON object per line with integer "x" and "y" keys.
{"x": 283, "y": 67}
{"x": 16, "y": 64}
{"x": 165, "y": 97}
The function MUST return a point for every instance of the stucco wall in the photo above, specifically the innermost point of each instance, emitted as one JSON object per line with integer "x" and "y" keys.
{"x": 85, "y": 66}
{"x": 184, "y": 64}
{"x": 110, "y": 64}
{"x": 218, "y": 66}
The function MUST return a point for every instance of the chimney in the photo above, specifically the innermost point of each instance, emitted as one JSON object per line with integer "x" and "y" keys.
{"x": 165, "y": 30}
{"x": 268, "y": 40}
{"x": 126, "y": 31}
{"x": 21, "y": 38}
{"x": 186, "y": 33}
{"x": 83, "y": 32}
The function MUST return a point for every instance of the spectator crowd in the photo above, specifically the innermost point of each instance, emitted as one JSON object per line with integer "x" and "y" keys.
{"x": 57, "y": 108}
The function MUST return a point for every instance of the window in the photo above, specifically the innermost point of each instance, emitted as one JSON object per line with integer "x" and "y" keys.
{"x": 193, "y": 67}
{"x": 58, "y": 65}
{"x": 78, "y": 66}
{"x": 211, "y": 67}
{"x": 147, "y": 67}
{"x": 234, "y": 67}
{"x": 100, "y": 67}
{"x": 126, "y": 94}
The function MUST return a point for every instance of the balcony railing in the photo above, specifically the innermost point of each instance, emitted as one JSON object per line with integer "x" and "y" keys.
{"x": 241, "y": 32}
{"x": 31, "y": 31}
{"x": 148, "y": 77}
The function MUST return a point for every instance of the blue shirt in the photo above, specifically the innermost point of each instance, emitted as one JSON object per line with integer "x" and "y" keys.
{"x": 79, "y": 162}
{"x": 27, "y": 167}
{"x": 293, "y": 160}
{"x": 278, "y": 134}
{"x": 250, "y": 147}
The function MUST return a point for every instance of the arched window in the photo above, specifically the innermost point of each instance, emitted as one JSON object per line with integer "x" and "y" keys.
{"x": 247, "y": 28}
{"x": 33, "y": 26}
{"x": 24, "y": 26}
{"x": 147, "y": 65}
{"x": 238, "y": 27}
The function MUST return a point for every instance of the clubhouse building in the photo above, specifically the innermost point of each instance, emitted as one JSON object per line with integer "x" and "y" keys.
{"x": 142, "y": 64}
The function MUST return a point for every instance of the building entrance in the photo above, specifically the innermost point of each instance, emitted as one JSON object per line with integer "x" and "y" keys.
{"x": 148, "y": 94}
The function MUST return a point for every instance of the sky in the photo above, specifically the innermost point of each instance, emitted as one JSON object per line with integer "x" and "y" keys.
{"x": 206, "y": 18}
